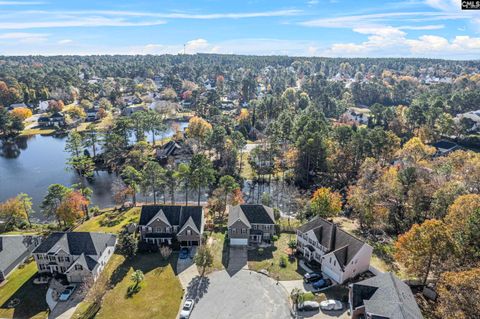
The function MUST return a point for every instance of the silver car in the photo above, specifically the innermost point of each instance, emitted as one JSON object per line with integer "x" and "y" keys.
{"x": 187, "y": 309}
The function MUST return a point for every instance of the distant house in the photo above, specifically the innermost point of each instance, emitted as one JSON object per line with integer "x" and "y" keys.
{"x": 92, "y": 115}
{"x": 177, "y": 152}
{"x": 341, "y": 255}
{"x": 77, "y": 255}
{"x": 472, "y": 117}
{"x": 227, "y": 104}
{"x": 356, "y": 115}
{"x": 129, "y": 110}
{"x": 56, "y": 119}
{"x": 17, "y": 105}
{"x": 166, "y": 224}
{"x": 250, "y": 224}
{"x": 14, "y": 250}
{"x": 383, "y": 296}
{"x": 445, "y": 147}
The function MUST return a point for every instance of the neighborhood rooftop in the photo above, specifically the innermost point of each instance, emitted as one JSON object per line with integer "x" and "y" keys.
{"x": 251, "y": 214}
{"x": 175, "y": 215}
{"x": 76, "y": 243}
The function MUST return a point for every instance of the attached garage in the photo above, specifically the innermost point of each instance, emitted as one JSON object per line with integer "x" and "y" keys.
{"x": 238, "y": 241}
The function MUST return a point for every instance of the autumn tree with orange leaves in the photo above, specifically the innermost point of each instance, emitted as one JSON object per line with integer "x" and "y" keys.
{"x": 22, "y": 113}
{"x": 72, "y": 207}
{"x": 325, "y": 203}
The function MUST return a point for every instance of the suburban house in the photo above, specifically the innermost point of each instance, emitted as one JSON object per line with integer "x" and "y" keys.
{"x": 174, "y": 151}
{"x": 56, "y": 119}
{"x": 250, "y": 224}
{"x": 14, "y": 250}
{"x": 341, "y": 255}
{"x": 165, "y": 224}
{"x": 444, "y": 147}
{"x": 17, "y": 105}
{"x": 383, "y": 296}
{"x": 77, "y": 255}
{"x": 356, "y": 115}
{"x": 92, "y": 115}
{"x": 129, "y": 110}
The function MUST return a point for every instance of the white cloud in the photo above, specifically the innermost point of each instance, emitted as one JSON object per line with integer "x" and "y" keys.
{"x": 445, "y": 5}
{"x": 65, "y": 41}
{"x": 422, "y": 27}
{"x": 22, "y": 38}
{"x": 19, "y": 3}
{"x": 77, "y": 22}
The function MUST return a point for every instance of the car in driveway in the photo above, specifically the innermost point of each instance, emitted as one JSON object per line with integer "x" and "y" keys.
{"x": 331, "y": 305}
{"x": 67, "y": 292}
{"x": 184, "y": 253}
{"x": 187, "y": 309}
{"x": 322, "y": 283}
{"x": 312, "y": 277}
{"x": 308, "y": 306}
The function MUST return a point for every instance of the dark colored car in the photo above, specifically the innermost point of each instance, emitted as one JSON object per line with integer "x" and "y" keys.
{"x": 322, "y": 283}
{"x": 308, "y": 306}
{"x": 312, "y": 276}
{"x": 183, "y": 253}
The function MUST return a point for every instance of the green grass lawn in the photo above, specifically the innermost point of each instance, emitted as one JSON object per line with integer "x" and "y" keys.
{"x": 37, "y": 130}
{"x": 270, "y": 260}
{"x": 19, "y": 285}
{"x": 216, "y": 242}
{"x": 247, "y": 171}
{"x": 159, "y": 297}
{"x": 110, "y": 222}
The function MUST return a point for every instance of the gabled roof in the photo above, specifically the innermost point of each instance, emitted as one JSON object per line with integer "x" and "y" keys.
{"x": 161, "y": 216}
{"x": 176, "y": 215}
{"x": 190, "y": 223}
{"x": 386, "y": 296}
{"x": 341, "y": 243}
{"x": 251, "y": 214}
{"x": 14, "y": 246}
{"x": 86, "y": 261}
{"x": 76, "y": 243}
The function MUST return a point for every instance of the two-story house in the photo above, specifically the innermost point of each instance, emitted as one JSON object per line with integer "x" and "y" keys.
{"x": 14, "y": 250}
{"x": 162, "y": 224}
{"x": 250, "y": 224}
{"x": 383, "y": 296}
{"x": 77, "y": 255}
{"x": 341, "y": 255}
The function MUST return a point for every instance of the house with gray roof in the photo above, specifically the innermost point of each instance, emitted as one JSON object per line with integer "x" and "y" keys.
{"x": 77, "y": 255}
{"x": 14, "y": 250}
{"x": 384, "y": 296}
{"x": 341, "y": 255}
{"x": 164, "y": 224}
{"x": 250, "y": 225}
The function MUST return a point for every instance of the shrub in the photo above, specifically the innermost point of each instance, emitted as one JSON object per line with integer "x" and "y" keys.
{"x": 260, "y": 251}
{"x": 283, "y": 261}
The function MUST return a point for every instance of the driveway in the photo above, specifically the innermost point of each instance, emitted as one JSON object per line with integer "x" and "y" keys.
{"x": 237, "y": 259}
{"x": 245, "y": 295}
{"x": 65, "y": 309}
{"x": 186, "y": 269}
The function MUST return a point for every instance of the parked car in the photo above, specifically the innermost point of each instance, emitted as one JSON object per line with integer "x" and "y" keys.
{"x": 312, "y": 276}
{"x": 331, "y": 305}
{"x": 187, "y": 309}
{"x": 322, "y": 283}
{"x": 308, "y": 306}
{"x": 67, "y": 292}
{"x": 183, "y": 253}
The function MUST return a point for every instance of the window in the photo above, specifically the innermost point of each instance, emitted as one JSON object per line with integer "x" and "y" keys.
{"x": 41, "y": 266}
{"x": 51, "y": 258}
{"x": 334, "y": 262}
{"x": 168, "y": 230}
{"x": 158, "y": 229}
{"x": 234, "y": 230}
{"x": 244, "y": 230}
{"x": 67, "y": 259}
{"x": 60, "y": 259}
{"x": 62, "y": 269}
{"x": 255, "y": 226}
{"x": 189, "y": 232}
{"x": 78, "y": 267}
{"x": 175, "y": 229}
{"x": 330, "y": 260}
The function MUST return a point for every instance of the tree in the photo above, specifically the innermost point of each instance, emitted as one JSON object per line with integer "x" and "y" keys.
{"x": 171, "y": 180}
{"x": 297, "y": 297}
{"x": 153, "y": 179}
{"x": 27, "y": 206}
{"x": 137, "y": 277}
{"x": 198, "y": 129}
{"x": 203, "y": 258}
{"x": 12, "y": 212}
{"x": 184, "y": 175}
{"x": 74, "y": 144}
{"x": 127, "y": 244}
{"x": 52, "y": 201}
{"x": 22, "y": 113}
{"x": 424, "y": 249}
{"x": 227, "y": 184}
{"x": 165, "y": 251}
{"x": 132, "y": 179}
{"x": 84, "y": 165}
{"x": 458, "y": 294}
{"x": 202, "y": 173}
{"x": 71, "y": 207}
{"x": 325, "y": 203}
{"x": 154, "y": 124}
{"x": 416, "y": 150}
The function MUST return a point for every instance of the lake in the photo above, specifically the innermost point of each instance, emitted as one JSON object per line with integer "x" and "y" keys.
{"x": 35, "y": 162}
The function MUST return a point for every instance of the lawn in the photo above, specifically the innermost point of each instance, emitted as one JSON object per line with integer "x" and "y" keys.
{"x": 37, "y": 130}
{"x": 247, "y": 171}
{"x": 159, "y": 297}
{"x": 110, "y": 222}
{"x": 20, "y": 286}
{"x": 270, "y": 260}
{"x": 216, "y": 242}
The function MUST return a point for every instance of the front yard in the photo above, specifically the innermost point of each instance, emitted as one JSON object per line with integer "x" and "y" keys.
{"x": 110, "y": 222}
{"x": 216, "y": 242}
{"x": 271, "y": 257}
{"x": 20, "y": 288}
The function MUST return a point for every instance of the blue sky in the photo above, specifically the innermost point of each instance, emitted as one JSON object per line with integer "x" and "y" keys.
{"x": 364, "y": 28}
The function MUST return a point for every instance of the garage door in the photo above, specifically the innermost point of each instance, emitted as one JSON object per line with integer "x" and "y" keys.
{"x": 238, "y": 241}
{"x": 330, "y": 273}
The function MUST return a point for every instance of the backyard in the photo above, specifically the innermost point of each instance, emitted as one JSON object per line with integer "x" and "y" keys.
{"x": 110, "y": 222}
{"x": 271, "y": 257}
{"x": 31, "y": 298}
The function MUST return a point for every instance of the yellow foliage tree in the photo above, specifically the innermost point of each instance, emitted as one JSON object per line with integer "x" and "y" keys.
{"x": 22, "y": 113}
{"x": 326, "y": 203}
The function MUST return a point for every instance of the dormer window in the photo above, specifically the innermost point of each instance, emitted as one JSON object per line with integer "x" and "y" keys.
{"x": 189, "y": 232}
{"x": 78, "y": 267}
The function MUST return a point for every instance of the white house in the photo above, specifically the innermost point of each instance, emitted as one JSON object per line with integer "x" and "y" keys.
{"x": 77, "y": 255}
{"x": 341, "y": 255}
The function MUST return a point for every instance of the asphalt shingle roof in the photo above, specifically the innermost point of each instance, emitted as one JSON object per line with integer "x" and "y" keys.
{"x": 176, "y": 215}
{"x": 254, "y": 214}
{"x": 76, "y": 243}
{"x": 13, "y": 247}
{"x": 386, "y": 296}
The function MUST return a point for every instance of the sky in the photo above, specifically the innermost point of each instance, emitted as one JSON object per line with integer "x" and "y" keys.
{"x": 332, "y": 28}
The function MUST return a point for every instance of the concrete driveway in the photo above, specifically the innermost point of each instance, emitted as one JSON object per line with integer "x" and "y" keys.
{"x": 245, "y": 295}
{"x": 237, "y": 259}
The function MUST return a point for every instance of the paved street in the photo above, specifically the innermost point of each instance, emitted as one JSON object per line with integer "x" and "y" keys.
{"x": 246, "y": 295}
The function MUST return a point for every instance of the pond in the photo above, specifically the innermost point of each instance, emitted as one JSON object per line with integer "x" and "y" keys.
{"x": 33, "y": 163}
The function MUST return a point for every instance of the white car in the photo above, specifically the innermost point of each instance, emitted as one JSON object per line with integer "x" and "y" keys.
{"x": 187, "y": 309}
{"x": 331, "y": 305}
